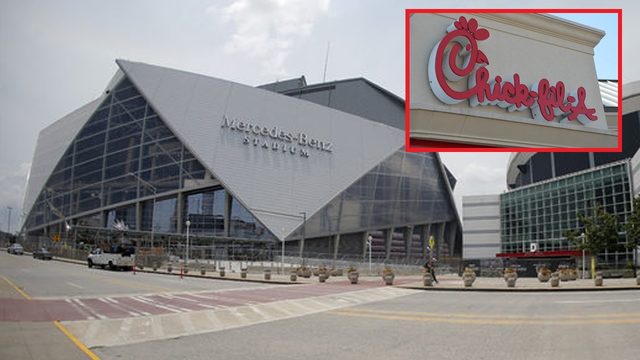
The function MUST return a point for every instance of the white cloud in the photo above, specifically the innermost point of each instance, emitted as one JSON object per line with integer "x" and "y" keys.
{"x": 266, "y": 30}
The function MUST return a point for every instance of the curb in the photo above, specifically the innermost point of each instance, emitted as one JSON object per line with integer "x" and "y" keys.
{"x": 549, "y": 289}
{"x": 274, "y": 282}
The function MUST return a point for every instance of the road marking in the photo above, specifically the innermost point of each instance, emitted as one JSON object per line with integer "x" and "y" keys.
{"x": 614, "y": 318}
{"x": 75, "y": 285}
{"x": 76, "y": 342}
{"x": 127, "y": 308}
{"x": 150, "y": 302}
{"x": 19, "y": 290}
{"x": 89, "y": 309}
{"x": 596, "y": 301}
{"x": 80, "y": 310}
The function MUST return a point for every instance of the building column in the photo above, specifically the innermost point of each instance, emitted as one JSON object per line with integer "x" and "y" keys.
{"x": 227, "y": 213}
{"x": 138, "y": 216}
{"x": 365, "y": 250}
{"x": 179, "y": 212}
{"x": 440, "y": 239}
{"x": 453, "y": 230}
{"x": 424, "y": 239}
{"x": 336, "y": 245}
{"x": 388, "y": 236}
{"x": 408, "y": 237}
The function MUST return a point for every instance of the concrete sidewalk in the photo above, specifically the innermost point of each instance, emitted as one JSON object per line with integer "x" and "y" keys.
{"x": 454, "y": 283}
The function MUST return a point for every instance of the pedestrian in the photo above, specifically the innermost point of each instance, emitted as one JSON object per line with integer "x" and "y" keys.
{"x": 430, "y": 267}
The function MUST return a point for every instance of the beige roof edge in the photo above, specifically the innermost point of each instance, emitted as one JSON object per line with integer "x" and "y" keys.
{"x": 550, "y": 25}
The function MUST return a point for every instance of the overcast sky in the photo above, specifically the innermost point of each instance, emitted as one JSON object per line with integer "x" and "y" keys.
{"x": 58, "y": 55}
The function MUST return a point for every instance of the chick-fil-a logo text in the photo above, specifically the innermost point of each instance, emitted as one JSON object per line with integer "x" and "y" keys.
{"x": 463, "y": 59}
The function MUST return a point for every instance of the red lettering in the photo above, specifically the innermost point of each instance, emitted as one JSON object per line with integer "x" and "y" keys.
{"x": 548, "y": 99}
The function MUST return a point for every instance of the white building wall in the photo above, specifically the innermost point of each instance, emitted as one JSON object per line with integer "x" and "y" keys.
{"x": 481, "y": 226}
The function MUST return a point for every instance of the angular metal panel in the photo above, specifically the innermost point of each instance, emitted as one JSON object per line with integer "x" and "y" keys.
{"x": 274, "y": 185}
{"x": 53, "y": 141}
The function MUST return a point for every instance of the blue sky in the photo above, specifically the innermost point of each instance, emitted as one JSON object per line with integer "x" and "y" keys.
{"x": 606, "y": 53}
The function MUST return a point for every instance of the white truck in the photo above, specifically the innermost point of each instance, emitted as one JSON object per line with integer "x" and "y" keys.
{"x": 118, "y": 260}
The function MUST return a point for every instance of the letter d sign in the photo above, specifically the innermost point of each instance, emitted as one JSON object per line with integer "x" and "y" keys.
{"x": 533, "y": 247}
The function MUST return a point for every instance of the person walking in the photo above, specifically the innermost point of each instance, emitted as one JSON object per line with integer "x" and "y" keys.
{"x": 430, "y": 267}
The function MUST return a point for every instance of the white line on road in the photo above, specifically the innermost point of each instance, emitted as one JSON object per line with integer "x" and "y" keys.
{"x": 596, "y": 301}
{"x": 75, "y": 285}
{"x": 80, "y": 310}
{"x": 89, "y": 310}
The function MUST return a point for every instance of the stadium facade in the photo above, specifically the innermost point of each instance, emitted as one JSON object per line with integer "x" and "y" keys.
{"x": 319, "y": 167}
{"x": 547, "y": 191}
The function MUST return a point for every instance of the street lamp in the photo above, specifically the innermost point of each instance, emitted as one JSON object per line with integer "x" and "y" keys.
{"x": 153, "y": 209}
{"x": 583, "y": 263}
{"x": 369, "y": 239}
{"x": 304, "y": 230}
{"x": 186, "y": 260}
{"x": 9, "y": 220}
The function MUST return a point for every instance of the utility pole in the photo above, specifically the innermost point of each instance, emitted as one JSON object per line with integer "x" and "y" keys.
{"x": 9, "y": 220}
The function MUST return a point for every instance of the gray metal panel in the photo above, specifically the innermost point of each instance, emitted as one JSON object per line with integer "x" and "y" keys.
{"x": 355, "y": 96}
{"x": 274, "y": 186}
{"x": 53, "y": 141}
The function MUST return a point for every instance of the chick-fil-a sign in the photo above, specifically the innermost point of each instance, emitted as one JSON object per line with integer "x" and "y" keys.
{"x": 463, "y": 59}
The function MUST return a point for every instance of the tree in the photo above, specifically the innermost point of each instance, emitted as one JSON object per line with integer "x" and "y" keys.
{"x": 633, "y": 231}
{"x": 600, "y": 233}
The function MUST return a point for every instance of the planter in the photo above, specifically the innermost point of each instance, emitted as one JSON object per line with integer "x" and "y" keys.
{"x": 316, "y": 272}
{"x": 511, "y": 281}
{"x": 573, "y": 274}
{"x": 293, "y": 277}
{"x": 155, "y": 266}
{"x": 336, "y": 272}
{"x": 468, "y": 277}
{"x": 555, "y": 280}
{"x": 544, "y": 277}
{"x": 222, "y": 272}
{"x": 203, "y": 271}
{"x": 564, "y": 275}
{"x": 468, "y": 280}
{"x": 186, "y": 269}
{"x": 267, "y": 274}
{"x": 353, "y": 277}
{"x": 323, "y": 277}
{"x": 304, "y": 272}
{"x": 388, "y": 279}
{"x": 169, "y": 267}
{"x": 598, "y": 279}
{"x": 427, "y": 279}
{"x": 243, "y": 273}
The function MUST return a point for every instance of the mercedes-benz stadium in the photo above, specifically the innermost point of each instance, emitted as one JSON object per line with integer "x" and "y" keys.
{"x": 162, "y": 153}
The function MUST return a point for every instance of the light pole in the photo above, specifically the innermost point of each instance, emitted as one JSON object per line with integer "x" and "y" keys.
{"x": 186, "y": 258}
{"x": 583, "y": 262}
{"x": 369, "y": 239}
{"x": 282, "y": 256}
{"x": 153, "y": 209}
{"x": 9, "y": 220}
{"x": 304, "y": 230}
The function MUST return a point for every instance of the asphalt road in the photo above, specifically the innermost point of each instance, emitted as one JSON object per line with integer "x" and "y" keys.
{"x": 315, "y": 321}
{"x": 51, "y": 279}
{"x": 430, "y": 325}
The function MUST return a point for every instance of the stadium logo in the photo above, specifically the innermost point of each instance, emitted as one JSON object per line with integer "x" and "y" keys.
{"x": 457, "y": 56}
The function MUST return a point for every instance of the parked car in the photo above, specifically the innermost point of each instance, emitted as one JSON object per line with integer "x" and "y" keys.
{"x": 15, "y": 249}
{"x": 43, "y": 254}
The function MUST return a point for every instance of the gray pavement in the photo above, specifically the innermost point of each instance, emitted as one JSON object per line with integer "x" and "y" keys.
{"x": 431, "y": 325}
{"x": 361, "y": 322}
{"x": 30, "y": 340}
{"x": 51, "y": 279}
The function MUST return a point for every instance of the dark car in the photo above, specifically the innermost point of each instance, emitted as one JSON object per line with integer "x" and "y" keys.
{"x": 15, "y": 249}
{"x": 43, "y": 254}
